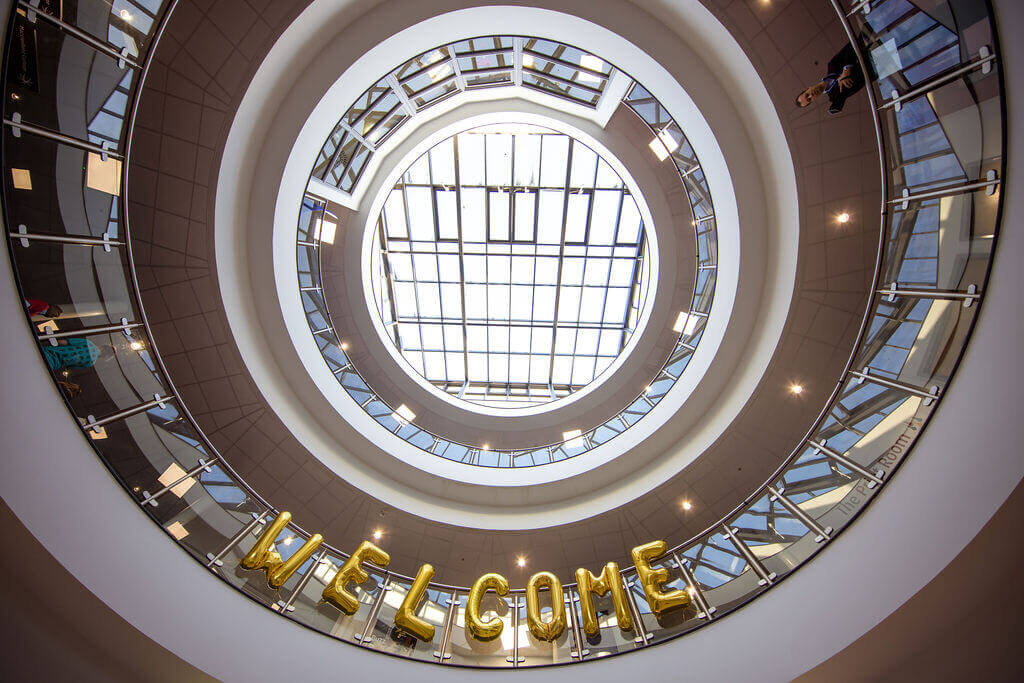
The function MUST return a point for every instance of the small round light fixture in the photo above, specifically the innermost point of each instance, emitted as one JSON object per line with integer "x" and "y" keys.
{"x": 687, "y": 505}
{"x": 796, "y": 389}
{"x": 344, "y": 346}
{"x": 377, "y": 533}
{"x": 843, "y": 218}
{"x": 520, "y": 561}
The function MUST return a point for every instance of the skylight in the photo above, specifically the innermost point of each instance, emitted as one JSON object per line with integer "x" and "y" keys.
{"x": 509, "y": 268}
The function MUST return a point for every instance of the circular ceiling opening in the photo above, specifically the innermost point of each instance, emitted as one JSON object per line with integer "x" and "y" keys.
{"x": 510, "y": 266}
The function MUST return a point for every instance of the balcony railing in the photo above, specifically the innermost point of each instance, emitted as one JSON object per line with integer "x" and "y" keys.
{"x": 936, "y": 91}
{"x": 329, "y": 339}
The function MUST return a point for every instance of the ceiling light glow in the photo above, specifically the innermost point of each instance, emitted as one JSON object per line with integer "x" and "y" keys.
{"x": 663, "y": 145}
{"x": 177, "y": 530}
{"x": 574, "y": 438}
{"x": 325, "y": 227}
{"x": 797, "y": 389}
{"x": 403, "y": 414}
{"x": 22, "y": 178}
{"x": 686, "y": 323}
{"x": 172, "y": 474}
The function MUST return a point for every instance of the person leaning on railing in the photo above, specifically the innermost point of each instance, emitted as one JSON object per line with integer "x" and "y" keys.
{"x": 844, "y": 78}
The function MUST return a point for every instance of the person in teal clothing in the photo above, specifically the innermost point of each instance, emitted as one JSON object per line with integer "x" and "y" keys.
{"x": 71, "y": 354}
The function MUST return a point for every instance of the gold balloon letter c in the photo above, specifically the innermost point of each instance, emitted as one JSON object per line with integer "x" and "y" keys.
{"x": 490, "y": 629}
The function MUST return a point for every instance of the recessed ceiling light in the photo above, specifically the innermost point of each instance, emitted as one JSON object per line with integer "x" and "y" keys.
{"x": 344, "y": 346}
{"x": 486, "y": 447}
{"x": 687, "y": 505}
{"x": 843, "y": 218}
{"x": 377, "y": 533}
{"x": 797, "y": 389}
{"x": 520, "y": 561}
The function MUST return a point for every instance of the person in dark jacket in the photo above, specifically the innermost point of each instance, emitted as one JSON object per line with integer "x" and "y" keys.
{"x": 844, "y": 78}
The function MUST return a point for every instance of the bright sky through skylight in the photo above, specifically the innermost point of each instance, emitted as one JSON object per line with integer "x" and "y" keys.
{"x": 510, "y": 265}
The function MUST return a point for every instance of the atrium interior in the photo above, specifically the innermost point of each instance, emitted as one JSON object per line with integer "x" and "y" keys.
{"x": 418, "y": 338}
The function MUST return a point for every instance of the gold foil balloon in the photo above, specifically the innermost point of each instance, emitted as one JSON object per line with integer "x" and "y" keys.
{"x": 260, "y": 556}
{"x": 335, "y": 592}
{"x": 545, "y": 630}
{"x": 406, "y": 618}
{"x": 277, "y": 575}
{"x": 490, "y": 629}
{"x": 609, "y": 580}
{"x": 651, "y": 579}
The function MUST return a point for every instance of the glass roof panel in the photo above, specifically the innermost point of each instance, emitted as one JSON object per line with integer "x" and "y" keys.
{"x": 507, "y": 261}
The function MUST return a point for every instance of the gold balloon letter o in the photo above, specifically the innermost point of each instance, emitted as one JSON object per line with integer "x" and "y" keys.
{"x": 545, "y": 630}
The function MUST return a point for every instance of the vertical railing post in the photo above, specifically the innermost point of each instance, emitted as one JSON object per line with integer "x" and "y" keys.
{"x": 766, "y": 577}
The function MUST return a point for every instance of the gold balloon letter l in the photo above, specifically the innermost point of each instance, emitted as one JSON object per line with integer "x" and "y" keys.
{"x": 651, "y": 579}
{"x": 406, "y": 618}
{"x": 545, "y": 630}
{"x": 609, "y": 580}
{"x": 335, "y": 592}
{"x": 490, "y": 629}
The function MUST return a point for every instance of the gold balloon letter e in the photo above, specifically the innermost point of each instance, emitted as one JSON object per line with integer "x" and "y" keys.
{"x": 406, "y": 618}
{"x": 490, "y": 629}
{"x": 335, "y": 592}
{"x": 651, "y": 579}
